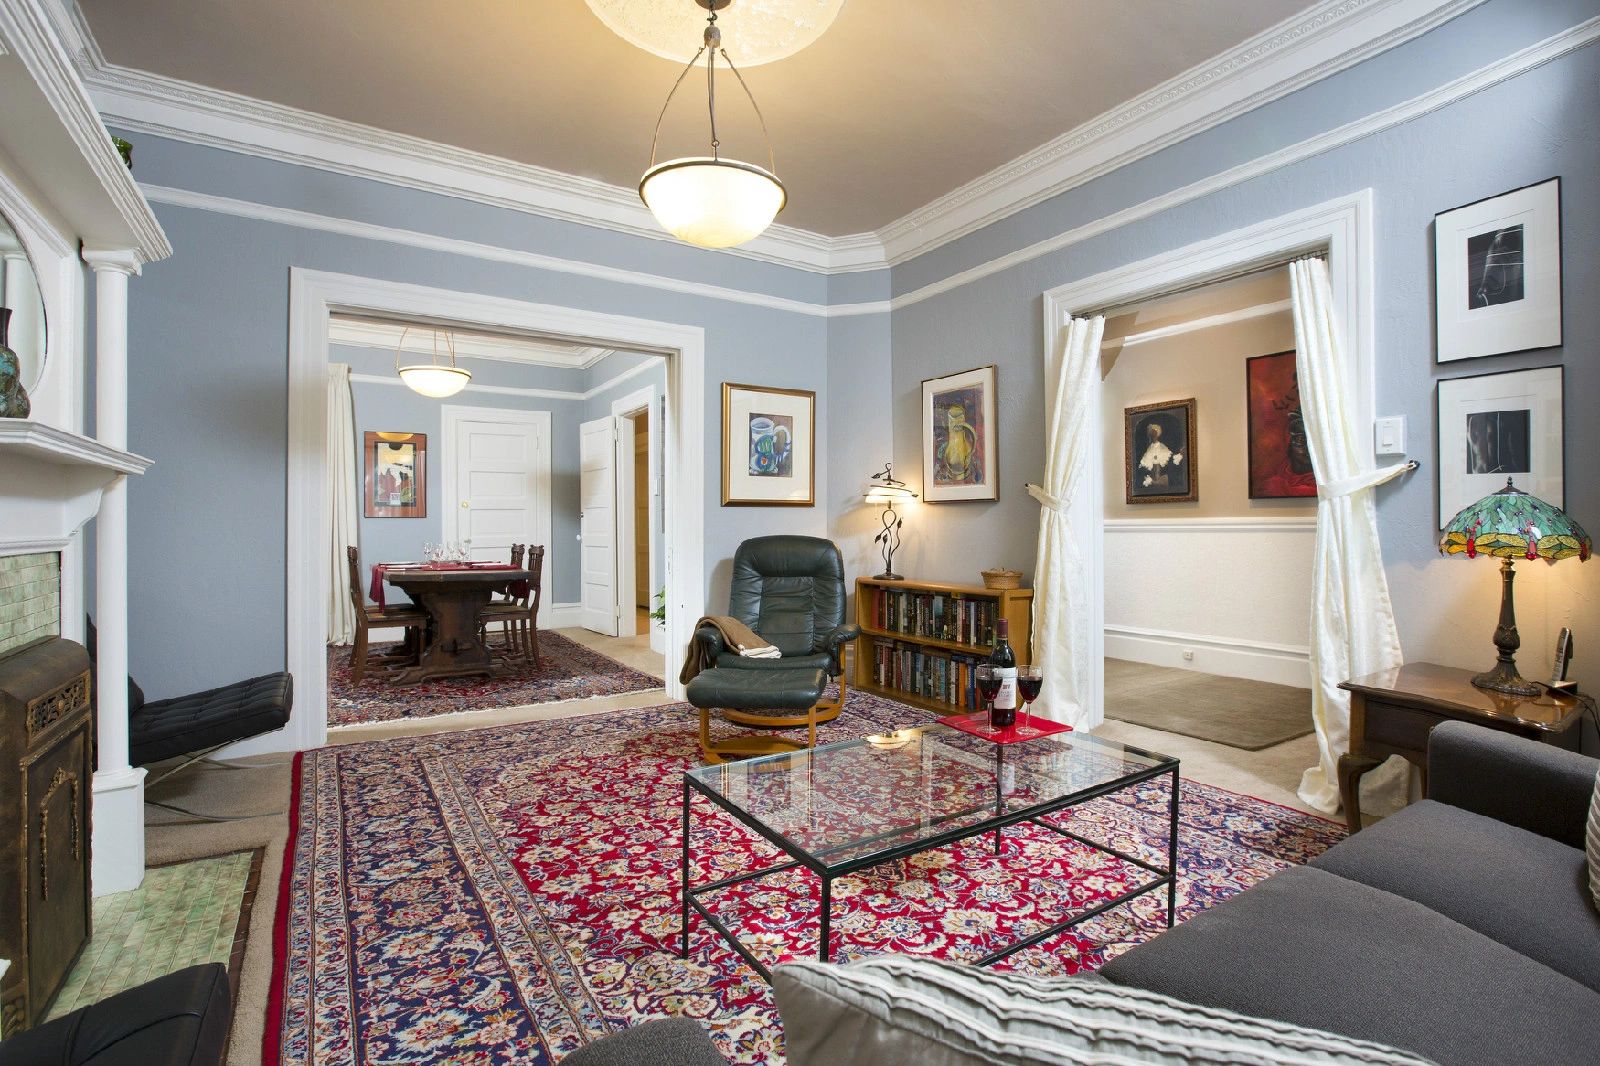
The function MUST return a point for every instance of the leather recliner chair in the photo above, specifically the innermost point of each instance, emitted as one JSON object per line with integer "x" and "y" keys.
{"x": 790, "y": 590}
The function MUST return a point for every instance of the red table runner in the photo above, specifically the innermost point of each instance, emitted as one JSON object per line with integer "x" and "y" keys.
{"x": 517, "y": 589}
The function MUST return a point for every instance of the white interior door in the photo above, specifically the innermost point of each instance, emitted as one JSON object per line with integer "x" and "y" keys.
{"x": 597, "y": 523}
{"x": 496, "y": 473}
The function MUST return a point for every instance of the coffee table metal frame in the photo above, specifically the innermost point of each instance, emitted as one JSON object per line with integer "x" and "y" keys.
{"x": 817, "y": 864}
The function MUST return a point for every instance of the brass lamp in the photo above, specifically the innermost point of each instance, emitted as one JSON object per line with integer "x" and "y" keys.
{"x": 1508, "y": 525}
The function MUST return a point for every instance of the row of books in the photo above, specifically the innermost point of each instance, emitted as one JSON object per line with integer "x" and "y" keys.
{"x": 945, "y": 677}
{"x": 940, "y": 615}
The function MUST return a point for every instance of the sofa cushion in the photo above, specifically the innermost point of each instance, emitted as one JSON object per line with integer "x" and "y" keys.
{"x": 1526, "y": 891}
{"x": 902, "y": 1010}
{"x": 1591, "y": 838}
{"x": 1311, "y": 948}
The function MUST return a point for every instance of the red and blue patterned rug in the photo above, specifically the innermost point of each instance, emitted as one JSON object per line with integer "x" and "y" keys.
{"x": 567, "y": 671}
{"x": 511, "y": 894}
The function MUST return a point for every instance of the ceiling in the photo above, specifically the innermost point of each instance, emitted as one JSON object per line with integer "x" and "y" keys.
{"x": 898, "y": 103}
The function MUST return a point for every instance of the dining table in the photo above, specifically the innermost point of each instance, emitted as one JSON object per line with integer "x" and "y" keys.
{"x": 454, "y": 595}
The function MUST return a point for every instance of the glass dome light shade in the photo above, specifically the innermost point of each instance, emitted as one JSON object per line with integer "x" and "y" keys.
{"x": 435, "y": 381}
{"x": 712, "y": 203}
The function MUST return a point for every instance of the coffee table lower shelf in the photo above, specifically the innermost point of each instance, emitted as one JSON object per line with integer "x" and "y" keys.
{"x": 1164, "y": 876}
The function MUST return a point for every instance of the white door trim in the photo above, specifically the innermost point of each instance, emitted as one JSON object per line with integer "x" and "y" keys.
{"x": 449, "y": 492}
{"x": 621, "y": 407}
{"x": 1341, "y": 227}
{"x": 313, "y": 296}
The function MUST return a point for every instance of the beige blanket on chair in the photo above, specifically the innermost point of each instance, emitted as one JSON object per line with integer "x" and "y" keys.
{"x": 735, "y": 634}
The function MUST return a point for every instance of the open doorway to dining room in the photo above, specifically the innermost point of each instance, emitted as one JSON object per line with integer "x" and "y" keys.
{"x": 465, "y": 510}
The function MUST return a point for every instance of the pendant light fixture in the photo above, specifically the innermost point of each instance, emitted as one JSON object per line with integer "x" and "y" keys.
{"x": 433, "y": 379}
{"x": 708, "y": 200}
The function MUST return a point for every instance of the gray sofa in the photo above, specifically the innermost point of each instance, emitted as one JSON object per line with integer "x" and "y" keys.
{"x": 1460, "y": 929}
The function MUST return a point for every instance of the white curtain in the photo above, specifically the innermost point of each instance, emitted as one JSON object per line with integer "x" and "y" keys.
{"x": 1352, "y": 621}
{"x": 1061, "y": 638}
{"x": 341, "y": 503}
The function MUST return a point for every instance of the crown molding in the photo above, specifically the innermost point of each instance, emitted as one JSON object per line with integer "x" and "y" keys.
{"x": 504, "y": 348}
{"x": 1315, "y": 44}
{"x": 1328, "y": 38}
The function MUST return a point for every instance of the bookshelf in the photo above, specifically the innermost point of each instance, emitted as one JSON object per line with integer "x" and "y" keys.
{"x": 921, "y": 639}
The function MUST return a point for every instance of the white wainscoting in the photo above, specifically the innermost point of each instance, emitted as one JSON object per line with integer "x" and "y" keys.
{"x": 1235, "y": 593}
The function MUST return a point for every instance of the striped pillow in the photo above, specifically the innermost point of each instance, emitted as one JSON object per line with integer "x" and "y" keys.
{"x": 902, "y": 1010}
{"x": 1591, "y": 840}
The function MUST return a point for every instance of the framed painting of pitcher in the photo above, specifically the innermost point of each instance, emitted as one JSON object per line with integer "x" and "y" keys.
{"x": 959, "y": 457}
{"x": 768, "y": 446}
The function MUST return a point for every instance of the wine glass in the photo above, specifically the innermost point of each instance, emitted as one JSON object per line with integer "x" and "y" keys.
{"x": 430, "y": 552}
{"x": 989, "y": 682}
{"x": 1029, "y": 680}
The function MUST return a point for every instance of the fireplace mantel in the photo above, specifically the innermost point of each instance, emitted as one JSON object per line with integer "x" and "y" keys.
{"x": 51, "y": 482}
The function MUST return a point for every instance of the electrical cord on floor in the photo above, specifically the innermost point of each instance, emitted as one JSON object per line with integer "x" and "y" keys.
{"x": 203, "y": 817}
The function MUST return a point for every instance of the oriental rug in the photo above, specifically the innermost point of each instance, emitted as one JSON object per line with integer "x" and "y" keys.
{"x": 511, "y": 894}
{"x": 567, "y": 671}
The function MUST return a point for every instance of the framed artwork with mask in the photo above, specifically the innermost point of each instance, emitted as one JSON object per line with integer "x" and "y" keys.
{"x": 768, "y": 446}
{"x": 1280, "y": 460}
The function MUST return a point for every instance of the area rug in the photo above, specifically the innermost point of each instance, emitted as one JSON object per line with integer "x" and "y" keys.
{"x": 511, "y": 894}
{"x": 1240, "y": 713}
{"x": 567, "y": 671}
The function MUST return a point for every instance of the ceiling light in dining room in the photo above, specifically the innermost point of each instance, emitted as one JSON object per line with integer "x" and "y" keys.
{"x": 433, "y": 379}
{"x": 761, "y": 31}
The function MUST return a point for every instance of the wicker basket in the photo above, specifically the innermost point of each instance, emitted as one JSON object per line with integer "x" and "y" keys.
{"x": 1000, "y": 578}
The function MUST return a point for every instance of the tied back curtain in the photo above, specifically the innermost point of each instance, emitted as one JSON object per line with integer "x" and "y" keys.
{"x": 1352, "y": 620}
{"x": 1061, "y": 638}
{"x": 341, "y": 503}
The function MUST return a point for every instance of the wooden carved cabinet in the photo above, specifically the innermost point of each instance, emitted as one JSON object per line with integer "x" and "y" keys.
{"x": 45, "y": 753}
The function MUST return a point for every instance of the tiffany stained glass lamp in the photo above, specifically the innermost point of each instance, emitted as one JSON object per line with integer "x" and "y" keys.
{"x": 1509, "y": 525}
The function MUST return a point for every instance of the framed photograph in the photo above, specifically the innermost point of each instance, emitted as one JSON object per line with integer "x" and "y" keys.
{"x": 769, "y": 442}
{"x": 1280, "y": 460}
{"x": 959, "y": 458}
{"x": 1160, "y": 456}
{"x": 1498, "y": 426}
{"x": 1497, "y": 274}
{"x": 395, "y": 471}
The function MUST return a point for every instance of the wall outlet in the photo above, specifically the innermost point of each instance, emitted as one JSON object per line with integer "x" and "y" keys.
{"x": 1188, "y": 655}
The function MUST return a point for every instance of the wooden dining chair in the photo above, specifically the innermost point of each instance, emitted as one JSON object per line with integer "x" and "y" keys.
{"x": 410, "y": 618}
{"x": 503, "y": 610}
{"x": 519, "y": 615}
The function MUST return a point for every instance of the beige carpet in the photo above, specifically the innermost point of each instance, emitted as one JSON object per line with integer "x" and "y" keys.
{"x": 1227, "y": 710}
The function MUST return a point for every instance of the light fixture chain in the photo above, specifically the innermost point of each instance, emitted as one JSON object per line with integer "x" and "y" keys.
{"x": 656, "y": 136}
{"x": 772, "y": 163}
{"x": 711, "y": 94}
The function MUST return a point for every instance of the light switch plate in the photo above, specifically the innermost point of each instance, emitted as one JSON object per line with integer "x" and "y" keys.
{"x": 1389, "y": 435}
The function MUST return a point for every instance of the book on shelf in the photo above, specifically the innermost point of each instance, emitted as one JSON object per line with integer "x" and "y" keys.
{"x": 950, "y": 616}
{"x": 940, "y": 676}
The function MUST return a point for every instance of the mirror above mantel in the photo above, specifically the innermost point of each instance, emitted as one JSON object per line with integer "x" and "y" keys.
{"x": 23, "y": 332}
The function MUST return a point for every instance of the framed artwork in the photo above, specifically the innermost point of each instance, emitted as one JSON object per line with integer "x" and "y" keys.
{"x": 959, "y": 458}
{"x": 1497, "y": 274}
{"x": 1160, "y": 458}
{"x": 395, "y": 472}
{"x": 1280, "y": 459}
{"x": 769, "y": 443}
{"x": 1498, "y": 426}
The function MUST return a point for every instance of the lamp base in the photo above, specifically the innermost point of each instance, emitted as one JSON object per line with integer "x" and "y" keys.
{"x": 888, "y": 576}
{"x": 1504, "y": 678}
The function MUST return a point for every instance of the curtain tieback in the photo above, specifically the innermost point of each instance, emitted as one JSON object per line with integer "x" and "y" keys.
{"x": 1046, "y": 500}
{"x": 1370, "y": 479}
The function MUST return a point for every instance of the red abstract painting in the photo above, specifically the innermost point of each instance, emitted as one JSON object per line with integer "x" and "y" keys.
{"x": 1280, "y": 458}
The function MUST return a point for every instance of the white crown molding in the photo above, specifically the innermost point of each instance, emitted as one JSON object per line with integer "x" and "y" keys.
{"x": 1324, "y": 40}
{"x": 1193, "y": 325}
{"x": 373, "y": 333}
{"x": 1330, "y": 37}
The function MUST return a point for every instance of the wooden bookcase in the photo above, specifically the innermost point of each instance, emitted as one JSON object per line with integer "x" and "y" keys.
{"x": 1014, "y": 605}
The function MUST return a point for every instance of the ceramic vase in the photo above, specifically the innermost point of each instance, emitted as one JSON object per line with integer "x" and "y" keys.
{"x": 13, "y": 397}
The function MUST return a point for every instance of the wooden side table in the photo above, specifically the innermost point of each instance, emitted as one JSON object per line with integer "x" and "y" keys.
{"x": 1392, "y": 713}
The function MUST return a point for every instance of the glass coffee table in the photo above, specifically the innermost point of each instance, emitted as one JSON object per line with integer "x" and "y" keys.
{"x": 844, "y": 807}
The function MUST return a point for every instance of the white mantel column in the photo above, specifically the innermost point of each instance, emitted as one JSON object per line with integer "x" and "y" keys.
{"x": 118, "y": 841}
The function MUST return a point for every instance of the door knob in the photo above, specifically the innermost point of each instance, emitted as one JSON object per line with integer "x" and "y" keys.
{"x": 465, "y": 505}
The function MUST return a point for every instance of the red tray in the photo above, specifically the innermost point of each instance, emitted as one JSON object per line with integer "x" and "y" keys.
{"x": 978, "y": 725}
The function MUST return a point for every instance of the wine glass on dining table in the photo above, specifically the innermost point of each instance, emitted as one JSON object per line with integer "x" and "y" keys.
{"x": 1030, "y": 679}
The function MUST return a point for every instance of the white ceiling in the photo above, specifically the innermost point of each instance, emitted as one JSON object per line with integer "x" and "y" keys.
{"x": 899, "y": 103}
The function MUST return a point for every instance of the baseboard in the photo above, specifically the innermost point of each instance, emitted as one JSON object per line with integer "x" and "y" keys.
{"x": 555, "y": 616}
{"x": 1282, "y": 664}
{"x": 658, "y": 639}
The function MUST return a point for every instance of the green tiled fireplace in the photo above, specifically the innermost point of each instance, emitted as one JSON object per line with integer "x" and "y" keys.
{"x": 30, "y": 598}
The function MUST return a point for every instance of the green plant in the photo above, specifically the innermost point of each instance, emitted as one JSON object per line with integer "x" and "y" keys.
{"x": 660, "y": 613}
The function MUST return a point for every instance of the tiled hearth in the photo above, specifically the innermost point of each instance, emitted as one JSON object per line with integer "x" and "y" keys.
{"x": 30, "y": 598}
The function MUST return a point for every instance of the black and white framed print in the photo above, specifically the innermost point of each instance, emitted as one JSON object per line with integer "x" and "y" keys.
{"x": 1159, "y": 460}
{"x": 1498, "y": 426}
{"x": 1497, "y": 274}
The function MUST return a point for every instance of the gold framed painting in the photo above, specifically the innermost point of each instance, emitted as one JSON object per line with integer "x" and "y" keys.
{"x": 1160, "y": 465}
{"x": 960, "y": 460}
{"x": 769, "y": 446}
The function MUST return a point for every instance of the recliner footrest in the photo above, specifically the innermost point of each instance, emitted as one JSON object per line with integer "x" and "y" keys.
{"x": 727, "y": 688}
{"x": 164, "y": 729}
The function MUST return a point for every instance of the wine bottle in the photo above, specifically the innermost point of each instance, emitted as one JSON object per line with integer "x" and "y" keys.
{"x": 1003, "y": 711}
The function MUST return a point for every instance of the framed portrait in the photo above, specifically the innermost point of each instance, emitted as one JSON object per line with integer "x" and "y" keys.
{"x": 1498, "y": 426}
{"x": 1497, "y": 274}
{"x": 769, "y": 442}
{"x": 1160, "y": 457}
{"x": 1280, "y": 459}
{"x": 959, "y": 458}
{"x": 395, "y": 472}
